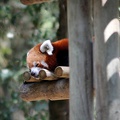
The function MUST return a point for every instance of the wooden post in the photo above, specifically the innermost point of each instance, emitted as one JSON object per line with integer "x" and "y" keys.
{"x": 80, "y": 50}
{"x": 106, "y": 59}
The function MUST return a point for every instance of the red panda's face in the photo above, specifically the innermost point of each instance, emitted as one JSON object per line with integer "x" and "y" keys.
{"x": 41, "y": 56}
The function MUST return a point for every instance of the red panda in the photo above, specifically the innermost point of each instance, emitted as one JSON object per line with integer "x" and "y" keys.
{"x": 47, "y": 55}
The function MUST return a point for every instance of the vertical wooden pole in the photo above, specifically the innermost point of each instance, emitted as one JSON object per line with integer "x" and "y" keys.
{"x": 80, "y": 50}
{"x": 106, "y": 62}
{"x": 62, "y": 31}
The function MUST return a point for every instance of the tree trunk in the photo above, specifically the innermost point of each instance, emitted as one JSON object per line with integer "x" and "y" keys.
{"x": 80, "y": 50}
{"x": 59, "y": 110}
{"x": 106, "y": 59}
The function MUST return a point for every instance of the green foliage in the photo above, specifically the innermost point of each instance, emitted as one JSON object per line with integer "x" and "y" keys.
{"x": 21, "y": 27}
{"x": 44, "y": 19}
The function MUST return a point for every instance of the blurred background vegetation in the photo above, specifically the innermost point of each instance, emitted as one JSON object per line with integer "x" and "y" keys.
{"x": 21, "y": 27}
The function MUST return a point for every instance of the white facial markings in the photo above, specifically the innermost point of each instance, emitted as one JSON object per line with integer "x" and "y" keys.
{"x": 34, "y": 63}
{"x": 40, "y": 62}
{"x": 47, "y": 47}
{"x": 44, "y": 64}
{"x": 35, "y": 71}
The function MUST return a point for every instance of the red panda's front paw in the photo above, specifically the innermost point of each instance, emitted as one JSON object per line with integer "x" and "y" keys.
{"x": 35, "y": 71}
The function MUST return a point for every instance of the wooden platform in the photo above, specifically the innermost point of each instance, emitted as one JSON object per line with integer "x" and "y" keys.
{"x": 48, "y": 86}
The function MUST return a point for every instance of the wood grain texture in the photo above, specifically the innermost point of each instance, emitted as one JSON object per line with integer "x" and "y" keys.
{"x": 106, "y": 62}
{"x": 47, "y": 75}
{"x": 62, "y": 72}
{"x": 80, "y": 49}
{"x": 45, "y": 90}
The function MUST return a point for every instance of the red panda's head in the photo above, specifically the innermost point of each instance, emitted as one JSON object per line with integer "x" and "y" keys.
{"x": 41, "y": 56}
{"x": 47, "y": 55}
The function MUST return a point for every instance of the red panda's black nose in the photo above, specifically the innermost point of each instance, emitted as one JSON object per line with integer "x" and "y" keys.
{"x": 33, "y": 73}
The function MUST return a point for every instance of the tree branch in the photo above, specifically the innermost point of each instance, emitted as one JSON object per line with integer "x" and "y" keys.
{"x": 30, "y": 2}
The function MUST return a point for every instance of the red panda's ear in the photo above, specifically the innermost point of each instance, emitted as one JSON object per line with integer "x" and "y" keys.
{"x": 47, "y": 46}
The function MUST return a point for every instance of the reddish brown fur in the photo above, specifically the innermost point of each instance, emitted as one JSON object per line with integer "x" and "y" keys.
{"x": 35, "y": 55}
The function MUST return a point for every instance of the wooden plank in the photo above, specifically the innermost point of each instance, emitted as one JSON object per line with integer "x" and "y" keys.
{"x": 106, "y": 53}
{"x": 45, "y": 90}
{"x": 80, "y": 51}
